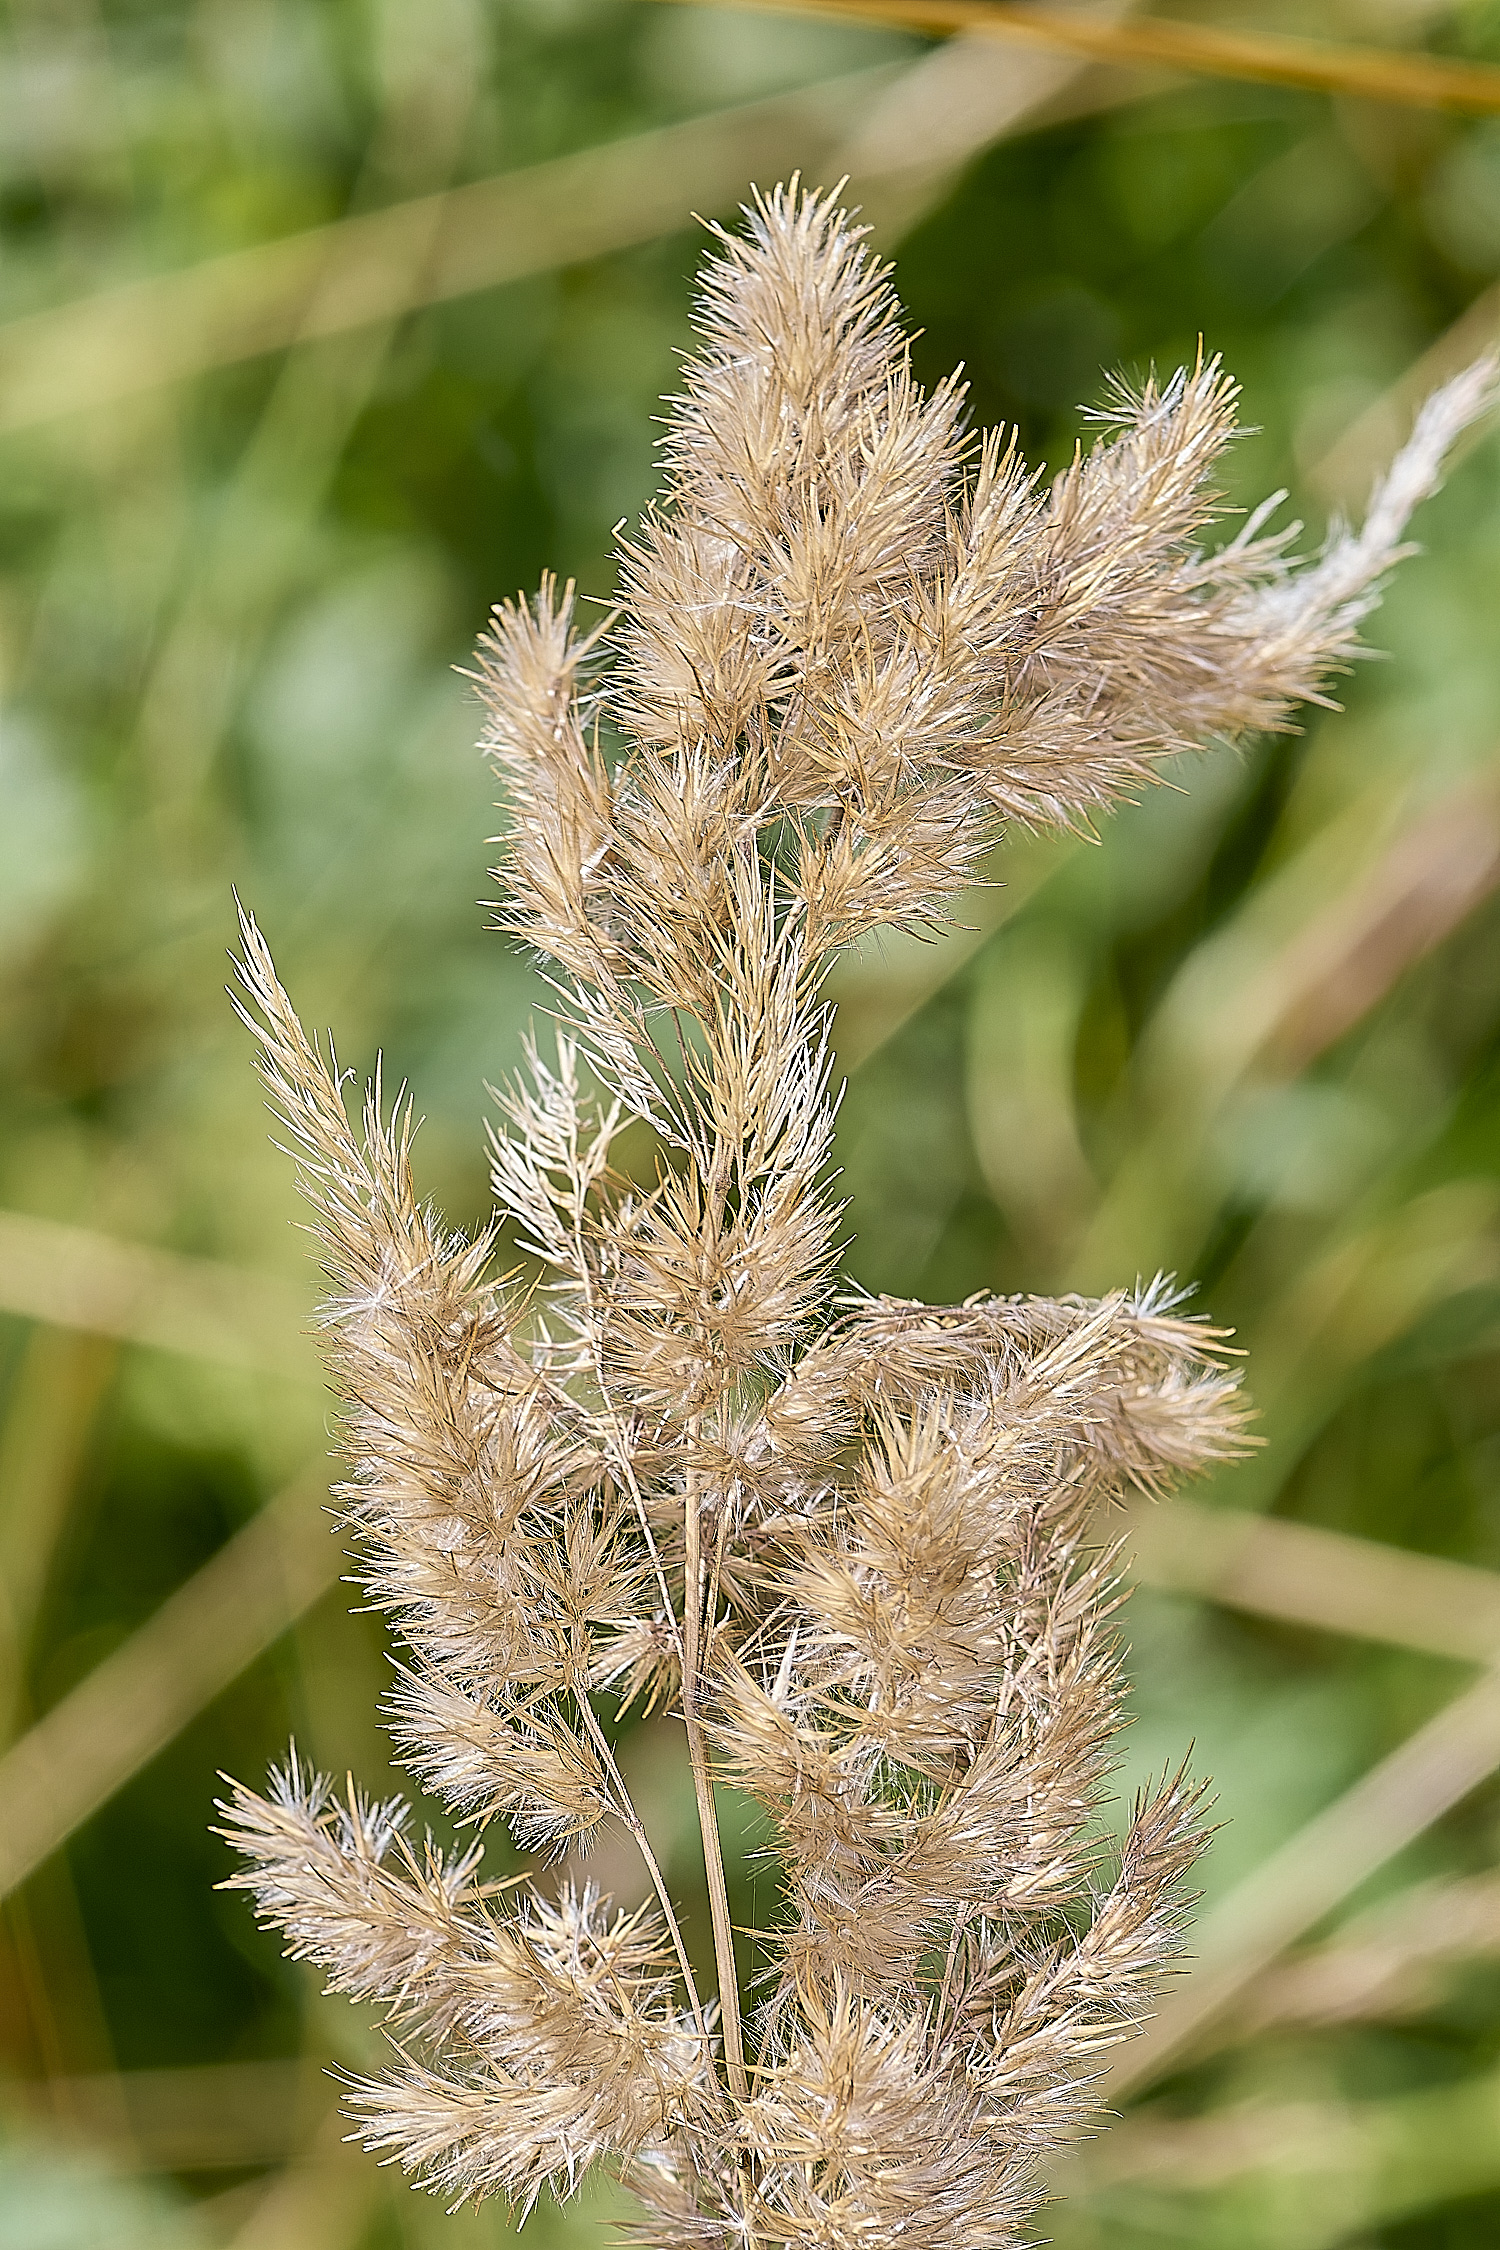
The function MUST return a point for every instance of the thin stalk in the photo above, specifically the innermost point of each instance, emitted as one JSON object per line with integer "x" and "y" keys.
{"x": 954, "y": 1940}
{"x": 689, "y": 1652}
{"x": 637, "y": 1827}
{"x": 703, "y": 1789}
{"x": 623, "y": 1462}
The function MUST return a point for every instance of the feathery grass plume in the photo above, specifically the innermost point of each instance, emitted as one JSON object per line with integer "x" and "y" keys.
{"x": 856, "y": 1543}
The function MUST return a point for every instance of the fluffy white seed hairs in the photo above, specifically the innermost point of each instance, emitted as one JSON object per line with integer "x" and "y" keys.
{"x": 855, "y": 1544}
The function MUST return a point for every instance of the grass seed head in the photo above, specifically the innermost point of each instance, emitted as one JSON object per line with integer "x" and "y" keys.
{"x": 856, "y": 1543}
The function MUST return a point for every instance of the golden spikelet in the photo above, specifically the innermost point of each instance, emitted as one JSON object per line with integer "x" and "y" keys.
{"x": 856, "y": 1543}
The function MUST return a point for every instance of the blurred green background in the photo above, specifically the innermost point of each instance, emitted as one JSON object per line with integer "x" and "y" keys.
{"x": 260, "y": 486}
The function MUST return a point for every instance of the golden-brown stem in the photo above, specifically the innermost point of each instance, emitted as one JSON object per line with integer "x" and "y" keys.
{"x": 703, "y": 1787}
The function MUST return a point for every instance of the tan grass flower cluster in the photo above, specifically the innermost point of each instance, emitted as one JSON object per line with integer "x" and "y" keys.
{"x": 856, "y": 1544}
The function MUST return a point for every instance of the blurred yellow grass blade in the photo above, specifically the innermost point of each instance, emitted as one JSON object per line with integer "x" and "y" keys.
{"x": 1302, "y": 1575}
{"x": 1366, "y": 1292}
{"x": 1316, "y": 1869}
{"x": 907, "y": 150}
{"x": 1320, "y": 66}
{"x": 1324, "y": 2170}
{"x": 1440, "y": 864}
{"x": 72, "y": 1277}
{"x": 1322, "y": 943}
{"x": 1358, "y": 1298}
{"x": 379, "y": 265}
{"x": 880, "y": 984}
{"x": 207, "y": 639}
{"x": 1333, "y": 972}
{"x": 1388, "y": 1962}
{"x": 1345, "y": 473}
{"x": 216, "y": 2117}
{"x": 135, "y": 1702}
{"x": 352, "y": 272}
{"x": 1313, "y": 951}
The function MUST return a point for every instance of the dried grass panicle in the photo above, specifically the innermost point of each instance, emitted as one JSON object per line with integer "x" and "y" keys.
{"x": 856, "y": 1544}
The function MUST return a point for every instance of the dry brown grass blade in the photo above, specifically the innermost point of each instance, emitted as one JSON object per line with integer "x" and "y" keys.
{"x": 1320, "y": 947}
{"x": 960, "y": 97}
{"x": 1344, "y": 962}
{"x": 1320, "y": 66}
{"x": 1343, "y": 476}
{"x": 134, "y": 1703}
{"x": 72, "y": 1277}
{"x": 1389, "y": 1962}
{"x": 358, "y": 271}
{"x": 1295, "y": 995}
{"x": 1302, "y": 1575}
{"x": 1315, "y": 1870}
{"x": 1358, "y": 1297}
